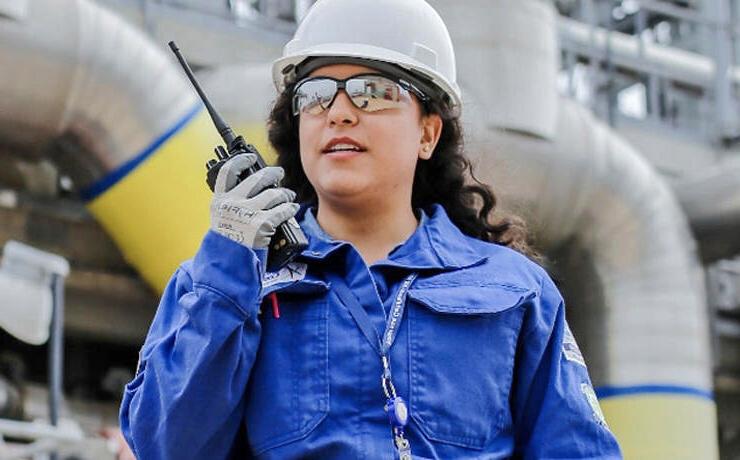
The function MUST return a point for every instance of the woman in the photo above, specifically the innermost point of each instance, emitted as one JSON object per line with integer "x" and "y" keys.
{"x": 409, "y": 328}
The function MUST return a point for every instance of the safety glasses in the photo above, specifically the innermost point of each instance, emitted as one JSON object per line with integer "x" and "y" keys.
{"x": 368, "y": 92}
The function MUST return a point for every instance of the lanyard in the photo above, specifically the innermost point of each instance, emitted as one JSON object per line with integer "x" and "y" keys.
{"x": 395, "y": 406}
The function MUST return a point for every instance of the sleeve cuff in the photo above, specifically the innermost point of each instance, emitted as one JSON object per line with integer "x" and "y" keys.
{"x": 231, "y": 269}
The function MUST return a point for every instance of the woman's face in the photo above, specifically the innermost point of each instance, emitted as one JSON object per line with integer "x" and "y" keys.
{"x": 391, "y": 142}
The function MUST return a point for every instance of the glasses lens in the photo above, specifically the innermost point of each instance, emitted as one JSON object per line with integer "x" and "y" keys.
{"x": 372, "y": 93}
{"x": 314, "y": 96}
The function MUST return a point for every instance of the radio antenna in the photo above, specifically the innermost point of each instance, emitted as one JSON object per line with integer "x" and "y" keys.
{"x": 223, "y": 129}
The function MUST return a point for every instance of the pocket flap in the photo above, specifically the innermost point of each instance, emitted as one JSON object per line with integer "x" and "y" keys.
{"x": 470, "y": 299}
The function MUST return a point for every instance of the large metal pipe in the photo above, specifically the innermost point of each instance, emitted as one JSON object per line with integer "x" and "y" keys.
{"x": 711, "y": 200}
{"x": 583, "y": 185}
{"x": 116, "y": 116}
{"x": 628, "y": 262}
{"x": 88, "y": 83}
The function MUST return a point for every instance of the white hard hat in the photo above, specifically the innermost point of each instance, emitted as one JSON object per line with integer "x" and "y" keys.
{"x": 406, "y": 33}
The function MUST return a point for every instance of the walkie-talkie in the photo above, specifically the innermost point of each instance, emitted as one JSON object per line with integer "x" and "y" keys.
{"x": 289, "y": 239}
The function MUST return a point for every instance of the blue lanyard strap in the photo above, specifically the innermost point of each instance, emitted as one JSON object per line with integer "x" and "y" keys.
{"x": 396, "y": 315}
{"x": 395, "y": 406}
{"x": 381, "y": 347}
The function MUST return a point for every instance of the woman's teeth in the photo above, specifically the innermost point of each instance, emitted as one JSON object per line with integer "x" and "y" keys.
{"x": 340, "y": 147}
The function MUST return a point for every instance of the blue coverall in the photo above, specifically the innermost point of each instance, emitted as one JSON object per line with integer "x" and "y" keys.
{"x": 483, "y": 357}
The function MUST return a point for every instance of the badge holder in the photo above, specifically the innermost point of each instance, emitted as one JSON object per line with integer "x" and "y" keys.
{"x": 398, "y": 412}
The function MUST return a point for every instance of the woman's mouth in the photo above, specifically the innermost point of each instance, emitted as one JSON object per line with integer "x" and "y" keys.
{"x": 343, "y": 146}
{"x": 344, "y": 149}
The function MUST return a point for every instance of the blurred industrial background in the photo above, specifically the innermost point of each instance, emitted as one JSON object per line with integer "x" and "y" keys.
{"x": 612, "y": 126}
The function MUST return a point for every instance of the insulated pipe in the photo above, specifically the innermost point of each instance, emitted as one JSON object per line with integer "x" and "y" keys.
{"x": 628, "y": 269}
{"x": 633, "y": 282}
{"x": 117, "y": 117}
{"x": 711, "y": 200}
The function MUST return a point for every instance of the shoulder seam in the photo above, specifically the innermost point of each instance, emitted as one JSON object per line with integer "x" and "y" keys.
{"x": 542, "y": 283}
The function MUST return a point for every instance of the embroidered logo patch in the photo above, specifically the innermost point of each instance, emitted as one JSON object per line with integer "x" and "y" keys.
{"x": 593, "y": 401}
{"x": 294, "y": 271}
{"x": 570, "y": 348}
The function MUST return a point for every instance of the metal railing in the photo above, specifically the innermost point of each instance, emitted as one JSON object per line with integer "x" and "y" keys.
{"x": 687, "y": 73}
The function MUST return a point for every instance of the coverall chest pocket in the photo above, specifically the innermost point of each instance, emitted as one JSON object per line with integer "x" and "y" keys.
{"x": 288, "y": 391}
{"x": 462, "y": 342}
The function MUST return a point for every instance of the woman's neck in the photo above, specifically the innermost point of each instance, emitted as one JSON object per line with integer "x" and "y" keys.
{"x": 373, "y": 233}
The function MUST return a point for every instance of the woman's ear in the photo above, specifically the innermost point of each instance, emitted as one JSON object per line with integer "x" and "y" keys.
{"x": 431, "y": 129}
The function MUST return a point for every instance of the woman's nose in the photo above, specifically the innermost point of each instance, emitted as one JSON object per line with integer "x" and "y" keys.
{"x": 342, "y": 110}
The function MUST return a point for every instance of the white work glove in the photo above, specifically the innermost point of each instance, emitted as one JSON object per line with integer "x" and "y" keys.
{"x": 250, "y": 212}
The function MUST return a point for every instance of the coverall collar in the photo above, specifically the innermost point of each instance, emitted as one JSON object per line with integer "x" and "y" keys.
{"x": 436, "y": 244}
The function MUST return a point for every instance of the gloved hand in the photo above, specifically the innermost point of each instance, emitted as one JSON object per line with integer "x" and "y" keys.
{"x": 250, "y": 212}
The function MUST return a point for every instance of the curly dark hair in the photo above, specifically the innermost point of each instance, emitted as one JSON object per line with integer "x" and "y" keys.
{"x": 446, "y": 178}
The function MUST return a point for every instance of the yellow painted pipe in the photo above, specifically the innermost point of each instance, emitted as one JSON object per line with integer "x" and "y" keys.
{"x": 157, "y": 211}
{"x": 663, "y": 425}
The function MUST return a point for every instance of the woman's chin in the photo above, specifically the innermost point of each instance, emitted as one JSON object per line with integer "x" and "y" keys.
{"x": 344, "y": 191}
